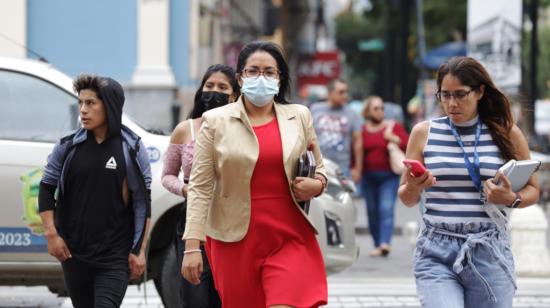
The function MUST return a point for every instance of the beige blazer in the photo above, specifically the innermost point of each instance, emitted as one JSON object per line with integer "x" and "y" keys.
{"x": 226, "y": 151}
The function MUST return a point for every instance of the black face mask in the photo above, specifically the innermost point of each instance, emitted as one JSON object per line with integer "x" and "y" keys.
{"x": 214, "y": 99}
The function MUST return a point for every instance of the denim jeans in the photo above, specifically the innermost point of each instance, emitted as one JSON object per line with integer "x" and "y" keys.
{"x": 380, "y": 192}
{"x": 464, "y": 265}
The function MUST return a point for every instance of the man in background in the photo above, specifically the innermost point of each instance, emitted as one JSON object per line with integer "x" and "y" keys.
{"x": 338, "y": 130}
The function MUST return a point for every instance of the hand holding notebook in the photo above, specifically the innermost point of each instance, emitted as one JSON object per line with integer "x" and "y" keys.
{"x": 306, "y": 168}
{"x": 518, "y": 172}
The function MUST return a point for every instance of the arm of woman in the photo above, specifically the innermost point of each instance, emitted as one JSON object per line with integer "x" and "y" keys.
{"x": 411, "y": 187}
{"x": 358, "y": 155}
{"x": 172, "y": 161}
{"x": 401, "y": 133}
{"x": 201, "y": 182}
{"x": 307, "y": 188}
{"x": 198, "y": 200}
{"x": 171, "y": 169}
{"x": 503, "y": 194}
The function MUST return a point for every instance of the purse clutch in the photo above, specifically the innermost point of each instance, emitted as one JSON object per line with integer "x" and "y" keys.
{"x": 306, "y": 168}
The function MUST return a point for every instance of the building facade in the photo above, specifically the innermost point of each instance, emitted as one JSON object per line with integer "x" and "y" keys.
{"x": 157, "y": 49}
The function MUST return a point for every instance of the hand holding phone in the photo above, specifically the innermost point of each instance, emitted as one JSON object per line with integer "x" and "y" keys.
{"x": 416, "y": 167}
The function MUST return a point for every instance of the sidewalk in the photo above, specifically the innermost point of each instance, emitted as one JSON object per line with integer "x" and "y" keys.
{"x": 388, "y": 282}
{"x": 343, "y": 293}
{"x": 401, "y": 292}
{"x": 369, "y": 282}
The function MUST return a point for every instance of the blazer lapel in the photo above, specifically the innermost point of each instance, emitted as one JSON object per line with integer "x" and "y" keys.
{"x": 239, "y": 112}
{"x": 287, "y": 121}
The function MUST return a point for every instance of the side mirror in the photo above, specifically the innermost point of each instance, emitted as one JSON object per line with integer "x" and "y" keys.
{"x": 348, "y": 184}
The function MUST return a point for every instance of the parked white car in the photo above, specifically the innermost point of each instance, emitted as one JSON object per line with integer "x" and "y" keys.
{"x": 37, "y": 107}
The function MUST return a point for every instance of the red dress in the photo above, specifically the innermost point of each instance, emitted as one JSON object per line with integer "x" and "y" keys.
{"x": 279, "y": 260}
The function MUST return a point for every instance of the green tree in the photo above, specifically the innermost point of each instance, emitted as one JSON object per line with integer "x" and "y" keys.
{"x": 387, "y": 72}
{"x": 351, "y": 29}
{"x": 526, "y": 98}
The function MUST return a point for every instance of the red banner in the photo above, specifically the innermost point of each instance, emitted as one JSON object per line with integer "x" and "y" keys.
{"x": 319, "y": 68}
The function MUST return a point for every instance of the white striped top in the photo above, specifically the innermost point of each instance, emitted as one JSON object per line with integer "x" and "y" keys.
{"x": 454, "y": 198}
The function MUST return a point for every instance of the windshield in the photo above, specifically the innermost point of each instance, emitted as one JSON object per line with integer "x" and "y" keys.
{"x": 149, "y": 129}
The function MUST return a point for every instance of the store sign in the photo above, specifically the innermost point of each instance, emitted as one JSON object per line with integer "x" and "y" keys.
{"x": 318, "y": 68}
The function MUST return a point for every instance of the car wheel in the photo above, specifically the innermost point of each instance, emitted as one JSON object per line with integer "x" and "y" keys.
{"x": 168, "y": 282}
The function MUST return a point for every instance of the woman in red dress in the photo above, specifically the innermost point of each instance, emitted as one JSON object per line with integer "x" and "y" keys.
{"x": 243, "y": 197}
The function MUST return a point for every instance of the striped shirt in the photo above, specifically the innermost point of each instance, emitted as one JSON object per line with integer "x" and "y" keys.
{"x": 454, "y": 198}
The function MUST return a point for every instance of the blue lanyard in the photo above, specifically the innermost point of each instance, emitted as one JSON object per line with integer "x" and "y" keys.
{"x": 473, "y": 169}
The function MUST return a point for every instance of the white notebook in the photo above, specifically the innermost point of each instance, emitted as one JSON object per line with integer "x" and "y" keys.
{"x": 519, "y": 172}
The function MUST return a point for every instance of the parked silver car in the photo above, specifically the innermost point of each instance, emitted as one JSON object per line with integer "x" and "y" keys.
{"x": 38, "y": 106}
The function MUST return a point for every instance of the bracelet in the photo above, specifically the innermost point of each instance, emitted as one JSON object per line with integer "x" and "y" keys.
{"x": 191, "y": 251}
{"x": 323, "y": 184}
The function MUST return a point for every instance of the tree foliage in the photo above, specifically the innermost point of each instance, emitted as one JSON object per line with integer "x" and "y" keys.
{"x": 351, "y": 29}
{"x": 543, "y": 59}
{"x": 444, "y": 21}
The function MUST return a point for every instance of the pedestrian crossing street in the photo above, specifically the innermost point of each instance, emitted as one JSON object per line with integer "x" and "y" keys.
{"x": 343, "y": 293}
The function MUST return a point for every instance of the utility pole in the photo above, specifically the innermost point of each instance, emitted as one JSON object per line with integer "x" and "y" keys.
{"x": 402, "y": 97}
{"x": 533, "y": 15}
{"x": 421, "y": 51}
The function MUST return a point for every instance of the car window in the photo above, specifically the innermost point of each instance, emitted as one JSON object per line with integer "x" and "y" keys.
{"x": 32, "y": 109}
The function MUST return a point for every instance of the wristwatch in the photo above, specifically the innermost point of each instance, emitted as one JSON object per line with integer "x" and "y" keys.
{"x": 516, "y": 202}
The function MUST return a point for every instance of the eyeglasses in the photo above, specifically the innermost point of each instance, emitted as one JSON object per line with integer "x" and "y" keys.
{"x": 255, "y": 73}
{"x": 460, "y": 96}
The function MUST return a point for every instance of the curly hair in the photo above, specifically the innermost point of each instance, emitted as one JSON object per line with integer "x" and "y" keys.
{"x": 89, "y": 82}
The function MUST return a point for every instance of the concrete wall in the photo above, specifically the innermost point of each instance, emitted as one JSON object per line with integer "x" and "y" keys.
{"x": 85, "y": 36}
{"x": 13, "y": 25}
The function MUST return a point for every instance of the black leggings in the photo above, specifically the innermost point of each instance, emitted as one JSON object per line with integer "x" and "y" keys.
{"x": 94, "y": 287}
{"x": 203, "y": 295}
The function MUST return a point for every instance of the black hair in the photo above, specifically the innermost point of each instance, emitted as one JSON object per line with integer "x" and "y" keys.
{"x": 275, "y": 51}
{"x": 89, "y": 82}
{"x": 229, "y": 72}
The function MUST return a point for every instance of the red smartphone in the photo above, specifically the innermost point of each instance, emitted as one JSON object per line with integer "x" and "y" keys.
{"x": 416, "y": 167}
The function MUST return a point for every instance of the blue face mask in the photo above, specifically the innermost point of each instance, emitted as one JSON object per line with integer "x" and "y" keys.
{"x": 260, "y": 90}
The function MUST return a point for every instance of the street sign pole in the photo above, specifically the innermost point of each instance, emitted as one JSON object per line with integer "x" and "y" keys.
{"x": 422, "y": 52}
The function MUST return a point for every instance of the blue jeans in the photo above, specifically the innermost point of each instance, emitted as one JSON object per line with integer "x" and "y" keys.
{"x": 380, "y": 192}
{"x": 464, "y": 265}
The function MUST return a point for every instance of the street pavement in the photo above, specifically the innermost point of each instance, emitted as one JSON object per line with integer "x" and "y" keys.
{"x": 369, "y": 282}
{"x": 343, "y": 293}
